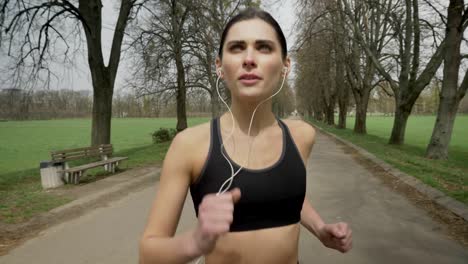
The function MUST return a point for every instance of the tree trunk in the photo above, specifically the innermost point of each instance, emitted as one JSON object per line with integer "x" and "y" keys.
{"x": 449, "y": 100}
{"x": 343, "y": 92}
{"x": 330, "y": 112}
{"x": 181, "y": 96}
{"x": 442, "y": 133}
{"x": 343, "y": 100}
{"x": 318, "y": 115}
{"x": 342, "y": 114}
{"x": 361, "y": 97}
{"x": 402, "y": 113}
{"x": 102, "y": 109}
{"x": 361, "y": 116}
{"x": 103, "y": 78}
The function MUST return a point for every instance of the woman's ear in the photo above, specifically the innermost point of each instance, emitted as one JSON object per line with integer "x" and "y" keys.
{"x": 287, "y": 66}
{"x": 219, "y": 69}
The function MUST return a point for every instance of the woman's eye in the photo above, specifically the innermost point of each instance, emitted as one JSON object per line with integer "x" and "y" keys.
{"x": 235, "y": 48}
{"x": 265, "y": 48}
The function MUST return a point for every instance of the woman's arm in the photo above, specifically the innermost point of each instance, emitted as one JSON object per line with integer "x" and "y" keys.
{"x": 336, "y": 236}
{"x": 158, "y": 243}
{"x": 310, "y": 219}
{"x": 215, "y": 212}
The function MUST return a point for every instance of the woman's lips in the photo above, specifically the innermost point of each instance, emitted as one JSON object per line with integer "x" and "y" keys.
{"x": 249, "y": 82}
{"x": 249, "y": 79}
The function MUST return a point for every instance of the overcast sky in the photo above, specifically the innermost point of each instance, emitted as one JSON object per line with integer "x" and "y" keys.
{"x": 78, "y": 76}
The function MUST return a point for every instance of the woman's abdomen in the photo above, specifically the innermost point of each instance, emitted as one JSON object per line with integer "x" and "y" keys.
{"x": 271, "y": 245}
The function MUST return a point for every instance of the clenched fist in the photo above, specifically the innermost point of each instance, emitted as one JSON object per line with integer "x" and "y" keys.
{"x": 215, "y": 215}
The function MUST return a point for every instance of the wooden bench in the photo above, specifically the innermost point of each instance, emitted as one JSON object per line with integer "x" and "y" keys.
{"x": 72, "y": 175}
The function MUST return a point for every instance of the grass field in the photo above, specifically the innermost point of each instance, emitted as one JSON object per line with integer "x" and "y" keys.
{"x": 24, "y": 144}
{"x": 450, "y": 176}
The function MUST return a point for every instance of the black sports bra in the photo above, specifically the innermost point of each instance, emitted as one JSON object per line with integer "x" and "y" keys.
{"x": 271, "y": 197}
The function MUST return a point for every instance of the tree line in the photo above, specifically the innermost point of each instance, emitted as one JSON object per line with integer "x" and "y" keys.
{"x": 348, "y": 48}
{"x": 174, "y": 43}
{"x": 18, "y": 104}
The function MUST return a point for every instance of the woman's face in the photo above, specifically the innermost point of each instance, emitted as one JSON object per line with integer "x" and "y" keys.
{"x": 252, "y": 62}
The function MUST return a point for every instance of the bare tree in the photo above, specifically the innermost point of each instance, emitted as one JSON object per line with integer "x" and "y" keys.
{"x": 452, "y": 92}
{"x": 184, "y": 51}
{"x": 315, "y": 89}
{"x": 371, "y": 20}
{"x": 162, "y": 49}
{"x": 283, "y": 103}
{"x": 209, "y": 20}
{"x": 19, "y": 20}
{"x": 316, "y": 55}
{"x": 412, "y": 80}
{"x": 305, "y": 99}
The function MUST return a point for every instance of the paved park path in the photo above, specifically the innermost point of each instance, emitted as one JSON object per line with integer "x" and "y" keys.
{"x": 386, "y": 227}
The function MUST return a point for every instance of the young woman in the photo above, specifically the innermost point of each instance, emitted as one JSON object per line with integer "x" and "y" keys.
{"x": 254, "y": 216}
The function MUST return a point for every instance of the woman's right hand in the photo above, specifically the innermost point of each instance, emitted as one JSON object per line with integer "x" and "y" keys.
{"x": 215, "y": 215}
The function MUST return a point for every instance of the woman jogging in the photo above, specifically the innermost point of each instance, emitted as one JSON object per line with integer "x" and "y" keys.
{"x": 245, "y": 170}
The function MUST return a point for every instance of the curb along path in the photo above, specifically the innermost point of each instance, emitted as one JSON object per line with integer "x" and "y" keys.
{"x": 437, "y": 196}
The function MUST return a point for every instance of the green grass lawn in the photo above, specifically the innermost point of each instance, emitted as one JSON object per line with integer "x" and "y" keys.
{"x": 23, "y": 144}
{"x": 449, "y": 176}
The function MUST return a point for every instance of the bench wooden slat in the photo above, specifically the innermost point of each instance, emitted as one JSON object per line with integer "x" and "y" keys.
{"x": 82, "y": 151}
{"x": 93, "y": 165}
{"x": 80, "y": 155}
{"x": 93, "y": 152}
{"x": 104, "y": 146}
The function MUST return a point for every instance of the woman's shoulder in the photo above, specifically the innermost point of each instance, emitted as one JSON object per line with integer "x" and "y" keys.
{"x": 194, "y": 145}
{"x": 200, "y": 130}
{"x": 300, "y": 129}
{"x": 193, "y": 136}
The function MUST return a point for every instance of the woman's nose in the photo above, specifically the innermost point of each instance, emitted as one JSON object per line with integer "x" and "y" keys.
{"x": 249, "y": 60}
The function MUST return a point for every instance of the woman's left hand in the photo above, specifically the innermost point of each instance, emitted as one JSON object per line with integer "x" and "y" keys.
{"x": 336, "y": 236}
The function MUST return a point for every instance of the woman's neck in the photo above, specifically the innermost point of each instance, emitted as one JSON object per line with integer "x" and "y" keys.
{"x": 263, "y": 118}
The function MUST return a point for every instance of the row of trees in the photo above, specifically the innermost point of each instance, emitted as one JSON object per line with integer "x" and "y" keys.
{"x": 18, "y": 104}
{"x": 349, "y": 47}
{"x": 174, "y": 44}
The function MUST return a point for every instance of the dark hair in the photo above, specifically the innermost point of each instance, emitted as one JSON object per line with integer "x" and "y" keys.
{"x": 251, "y": 13}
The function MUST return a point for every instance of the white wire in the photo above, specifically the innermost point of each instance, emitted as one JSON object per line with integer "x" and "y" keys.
{"x": 230, "y": 179}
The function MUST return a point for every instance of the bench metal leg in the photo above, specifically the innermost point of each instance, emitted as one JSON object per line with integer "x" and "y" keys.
{"x": 67, "y": 177}
{"x": 75, "y": 175}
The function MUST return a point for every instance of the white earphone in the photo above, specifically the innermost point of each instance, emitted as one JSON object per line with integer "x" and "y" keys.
{"x": 233, "y": 174}
{"x": 224, "y": 189}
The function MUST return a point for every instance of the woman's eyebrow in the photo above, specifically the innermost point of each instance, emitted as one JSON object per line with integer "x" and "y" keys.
{"x": 265, "y": 41}
{"x": 234, "y": 42}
